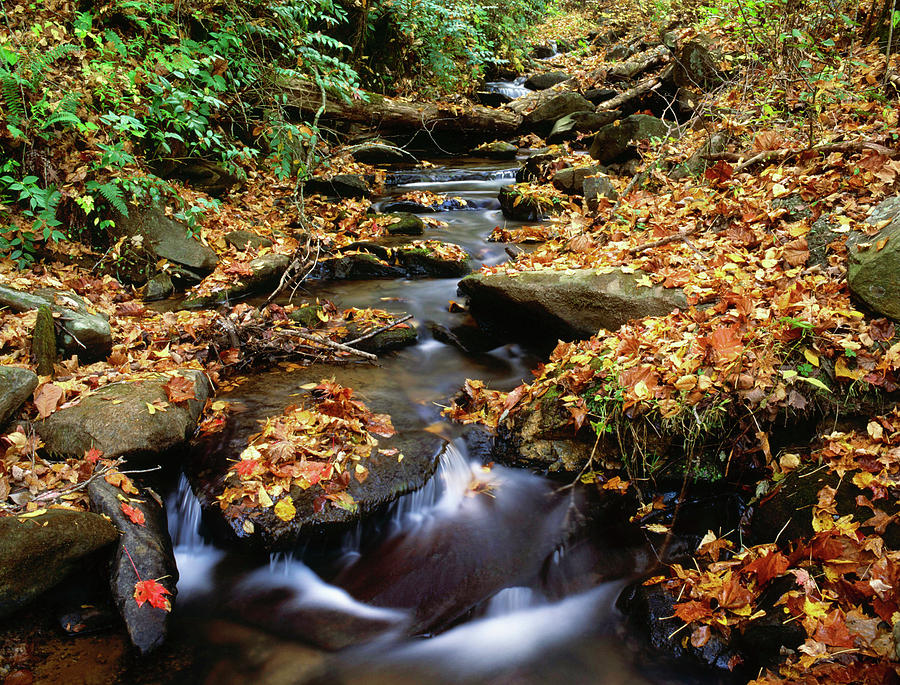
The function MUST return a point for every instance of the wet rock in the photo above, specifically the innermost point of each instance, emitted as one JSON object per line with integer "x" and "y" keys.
{"x": 544, "y": 51}
{"x": 265, "y": 273}
{"x": 84, "y": 332}
{"x": 163, "y": 237}
{"x": 571, "y": 180}
{"x": 597, "y": 95}
{"x": 389, "y": 477}
{"x": 38, "y": 552}
{"x": 380, "y": 151}
{"x": 874, "y": 272}
{"x": 556, "y": 107}
{"x": 596, "y": 186}
{"x": 522, "y": 206}
{"x": 612, "y": 141}
{"x": 498, "y": 149}
{"x": 422, "y": 262}
{"x": 341, "y": 185}
{"x": 545, "y": 80}
{"x": 146, "y": 549}
{"x": 466, "y": 337}
{"x": 405, "y": 223}
{"x": 571, "y": 304}
{"x": 537, "y": 166}
{"x": 246, "y": 240}
{"x": 650, "y": 612}
{"x": 358, "y": 266}
{"x": 386, "y": 341}
{"x": 16, "y": 386}
{"x": 159, "y": 287}
{"x": 581, "y": 122}
{"x": 117, "y": 421}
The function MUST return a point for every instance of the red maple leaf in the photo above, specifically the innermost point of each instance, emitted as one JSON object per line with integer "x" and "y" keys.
{"x": 153, "y": 592}
{"x": 93, "y": 454}
{"x": 134, "y": 514}
{"x": 246, "y": 467}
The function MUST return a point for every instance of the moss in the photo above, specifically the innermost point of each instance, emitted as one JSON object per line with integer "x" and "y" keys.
{"x": 43, "y": 342}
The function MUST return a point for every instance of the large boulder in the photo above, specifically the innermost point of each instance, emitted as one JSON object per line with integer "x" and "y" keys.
{"x": 571, "y": 179}
{"x": 16, "y": 386}
{"x": 265, "y": 272}
{"x": 613, "y": 140}
{"x": 552, "y": 108}
{"x": 874, "y": 269}
{"x": 545, "y": 80}
{"x": 38, "y": 552}
{"x": 569, "y": 305}
{"x": 341, "y": 185}
{"x": 85, "y": 332}
{"x": 117, "y": 419}
{"x": 144, "y": 549}
{"x": 166, "y": 238}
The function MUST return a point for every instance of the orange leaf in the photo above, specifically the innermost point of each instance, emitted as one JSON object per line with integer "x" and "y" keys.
{"x": 770, "y": 566}
{"x": 180, "y": 389}
{"x": 692, "y": 610}
{"x": 92, "y": 455}
{"x": 134, "y": 514}
{"x": 153, "y": 592}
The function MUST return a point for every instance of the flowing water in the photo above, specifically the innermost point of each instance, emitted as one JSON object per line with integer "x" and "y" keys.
{"x": 485, "y": 575}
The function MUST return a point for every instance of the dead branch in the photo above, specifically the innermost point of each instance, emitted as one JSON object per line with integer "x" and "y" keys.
{"x": 335, "y": 345}
{"x": 372, "y": 334}
{"x": 681, "y": 235}
{"x": 640, "y": 89}
{"x": 782, "y": 155}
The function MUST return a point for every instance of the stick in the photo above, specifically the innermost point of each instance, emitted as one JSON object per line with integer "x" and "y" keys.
{"x": 681, "y": 235}
{"x": 644, "y": 86}
{"x": 379, "y": 330}
{"x": 767, "y": 155}
{"x": 335, "y": 345}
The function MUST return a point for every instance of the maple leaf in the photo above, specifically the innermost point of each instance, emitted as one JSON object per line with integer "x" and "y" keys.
{"x": 180, "y": 389}
{"x": 153, "y": 592}
{"x": 134, "y": 514}
{"x": 767, "y": 567}
{"x": 284, "y": 509}
{"x": 692, "y": 610}
{"x": 725, "y": 342}
{"x": 120, "y": 480}
{"x": 93, "y": 455}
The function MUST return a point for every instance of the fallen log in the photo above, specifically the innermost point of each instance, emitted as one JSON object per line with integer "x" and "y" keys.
{"x": 388, "y": 114}
{"x": 639, "y": 90}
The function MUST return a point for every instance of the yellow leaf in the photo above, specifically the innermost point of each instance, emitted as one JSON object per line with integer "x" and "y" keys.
{"x": 811, "y": 356}
{"x": 778, "y": 190}
{"x": 841, "y": 370}
{"x": 32, "y": 514}
{"x": 150, "y": 408}
{"x": 285, "y": 509}
{"x": 248, "y": 527}
{"x": 263, "y": 497}
{"x": 656, "y": 528}
{"x": 879, "y": 246}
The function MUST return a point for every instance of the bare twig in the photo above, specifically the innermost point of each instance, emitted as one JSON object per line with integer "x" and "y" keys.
{"x": 335, "y": 345}
{"x": 372, "y": 334}
{"x": 681, "y": 235}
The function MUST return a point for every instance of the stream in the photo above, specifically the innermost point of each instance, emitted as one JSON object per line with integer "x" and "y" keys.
{"x": 485, "y": 575}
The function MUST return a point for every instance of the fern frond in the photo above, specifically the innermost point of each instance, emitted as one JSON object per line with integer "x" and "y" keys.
{"x": 113, "y": 195}
{"x": 60, "y": 117}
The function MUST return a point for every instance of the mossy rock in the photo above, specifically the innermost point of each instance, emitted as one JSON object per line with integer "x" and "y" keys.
{"x": 405, "y": 223}
{"x": 421, "y": 262}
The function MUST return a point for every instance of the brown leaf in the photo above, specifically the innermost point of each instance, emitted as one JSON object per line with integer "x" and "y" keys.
{"x": 767, "y": 567}
{"x": 180, "y": 389}
{"x": 692, "y": 610}
{"x": 881, "y": 329}
{"x": 47, "y": 398}
{"x": 796, "y": 252}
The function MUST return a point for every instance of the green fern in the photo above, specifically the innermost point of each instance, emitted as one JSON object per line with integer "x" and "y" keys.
{"x": 112, "y": 193}
{"x": 61, "y": 118}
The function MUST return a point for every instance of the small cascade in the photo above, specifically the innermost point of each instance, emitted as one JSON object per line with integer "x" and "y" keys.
{"x": 445, "y": 180}
{"x": 512, "y": 599}
{"x": 511, "y": 89}
{"x": 183, "y": 515}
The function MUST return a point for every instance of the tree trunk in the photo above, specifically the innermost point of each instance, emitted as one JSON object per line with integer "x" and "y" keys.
{"x": 396, "y": 115}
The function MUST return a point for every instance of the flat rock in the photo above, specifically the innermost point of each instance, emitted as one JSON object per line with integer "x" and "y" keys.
{"x": 556, "y": 107}
{"x": 85, "y": 332}
{"x": 16, "y": 386}
{"x": 117, "y": 421}
{"x": 145, "y": 549}
{"x": 568, "y": 305}
{"x": 874, "y": 274}
{"x": 37, "y": 553}
{"x": 243, "y": 240}
{"x": 341, "y": 185}
{"x": 545, "y": 80}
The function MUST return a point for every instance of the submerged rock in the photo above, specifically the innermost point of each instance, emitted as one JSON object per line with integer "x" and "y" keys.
{"x": 84, "y": 331}
{"x": 498, "y": 149}
{"x": 116, "y": 419}
{"x": 144, "y": 549}
{"x": 874, "y": 261}
{"x": 570, "y": 304}
{"x": 419, "y": 259}
{"x": 16, "y": 386}
{"x": 38, "y": 552}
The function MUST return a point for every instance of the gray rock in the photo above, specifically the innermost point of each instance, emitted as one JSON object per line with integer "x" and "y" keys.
{"x": 571, "y": 179}
{"x": 571, "y": 304}
{"x": 37, "y": 553}
{"x": 556, "y": 107}
{"x": 265, "y": 272}
{"x": 146, "y": 547}
{"x": 536, "y": 166}
{"x": 521, "y": 207}
{"x": 408, "y": 224}
{"x": 166, "y": 238}
{"x": 695, "y": 67}
{"x": 581, "y": 122}
{"x": 84, "y": 332}
{"x": 16, "y": 386}
{"x": 596, "y": 186}
{"x": 545, "y": 80}
{"x": 598, "y": 95}
{"x": 498, "y": 149}
{"x": 380, "y": 151}
{"x": 873, "y": 274}
{"x": 612, "y": 141}
{"x": 243, "y": 240}
{"x": 341, "y": 185}
{"x": 159, "y": 287}
{"x": 117, "y": 421}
